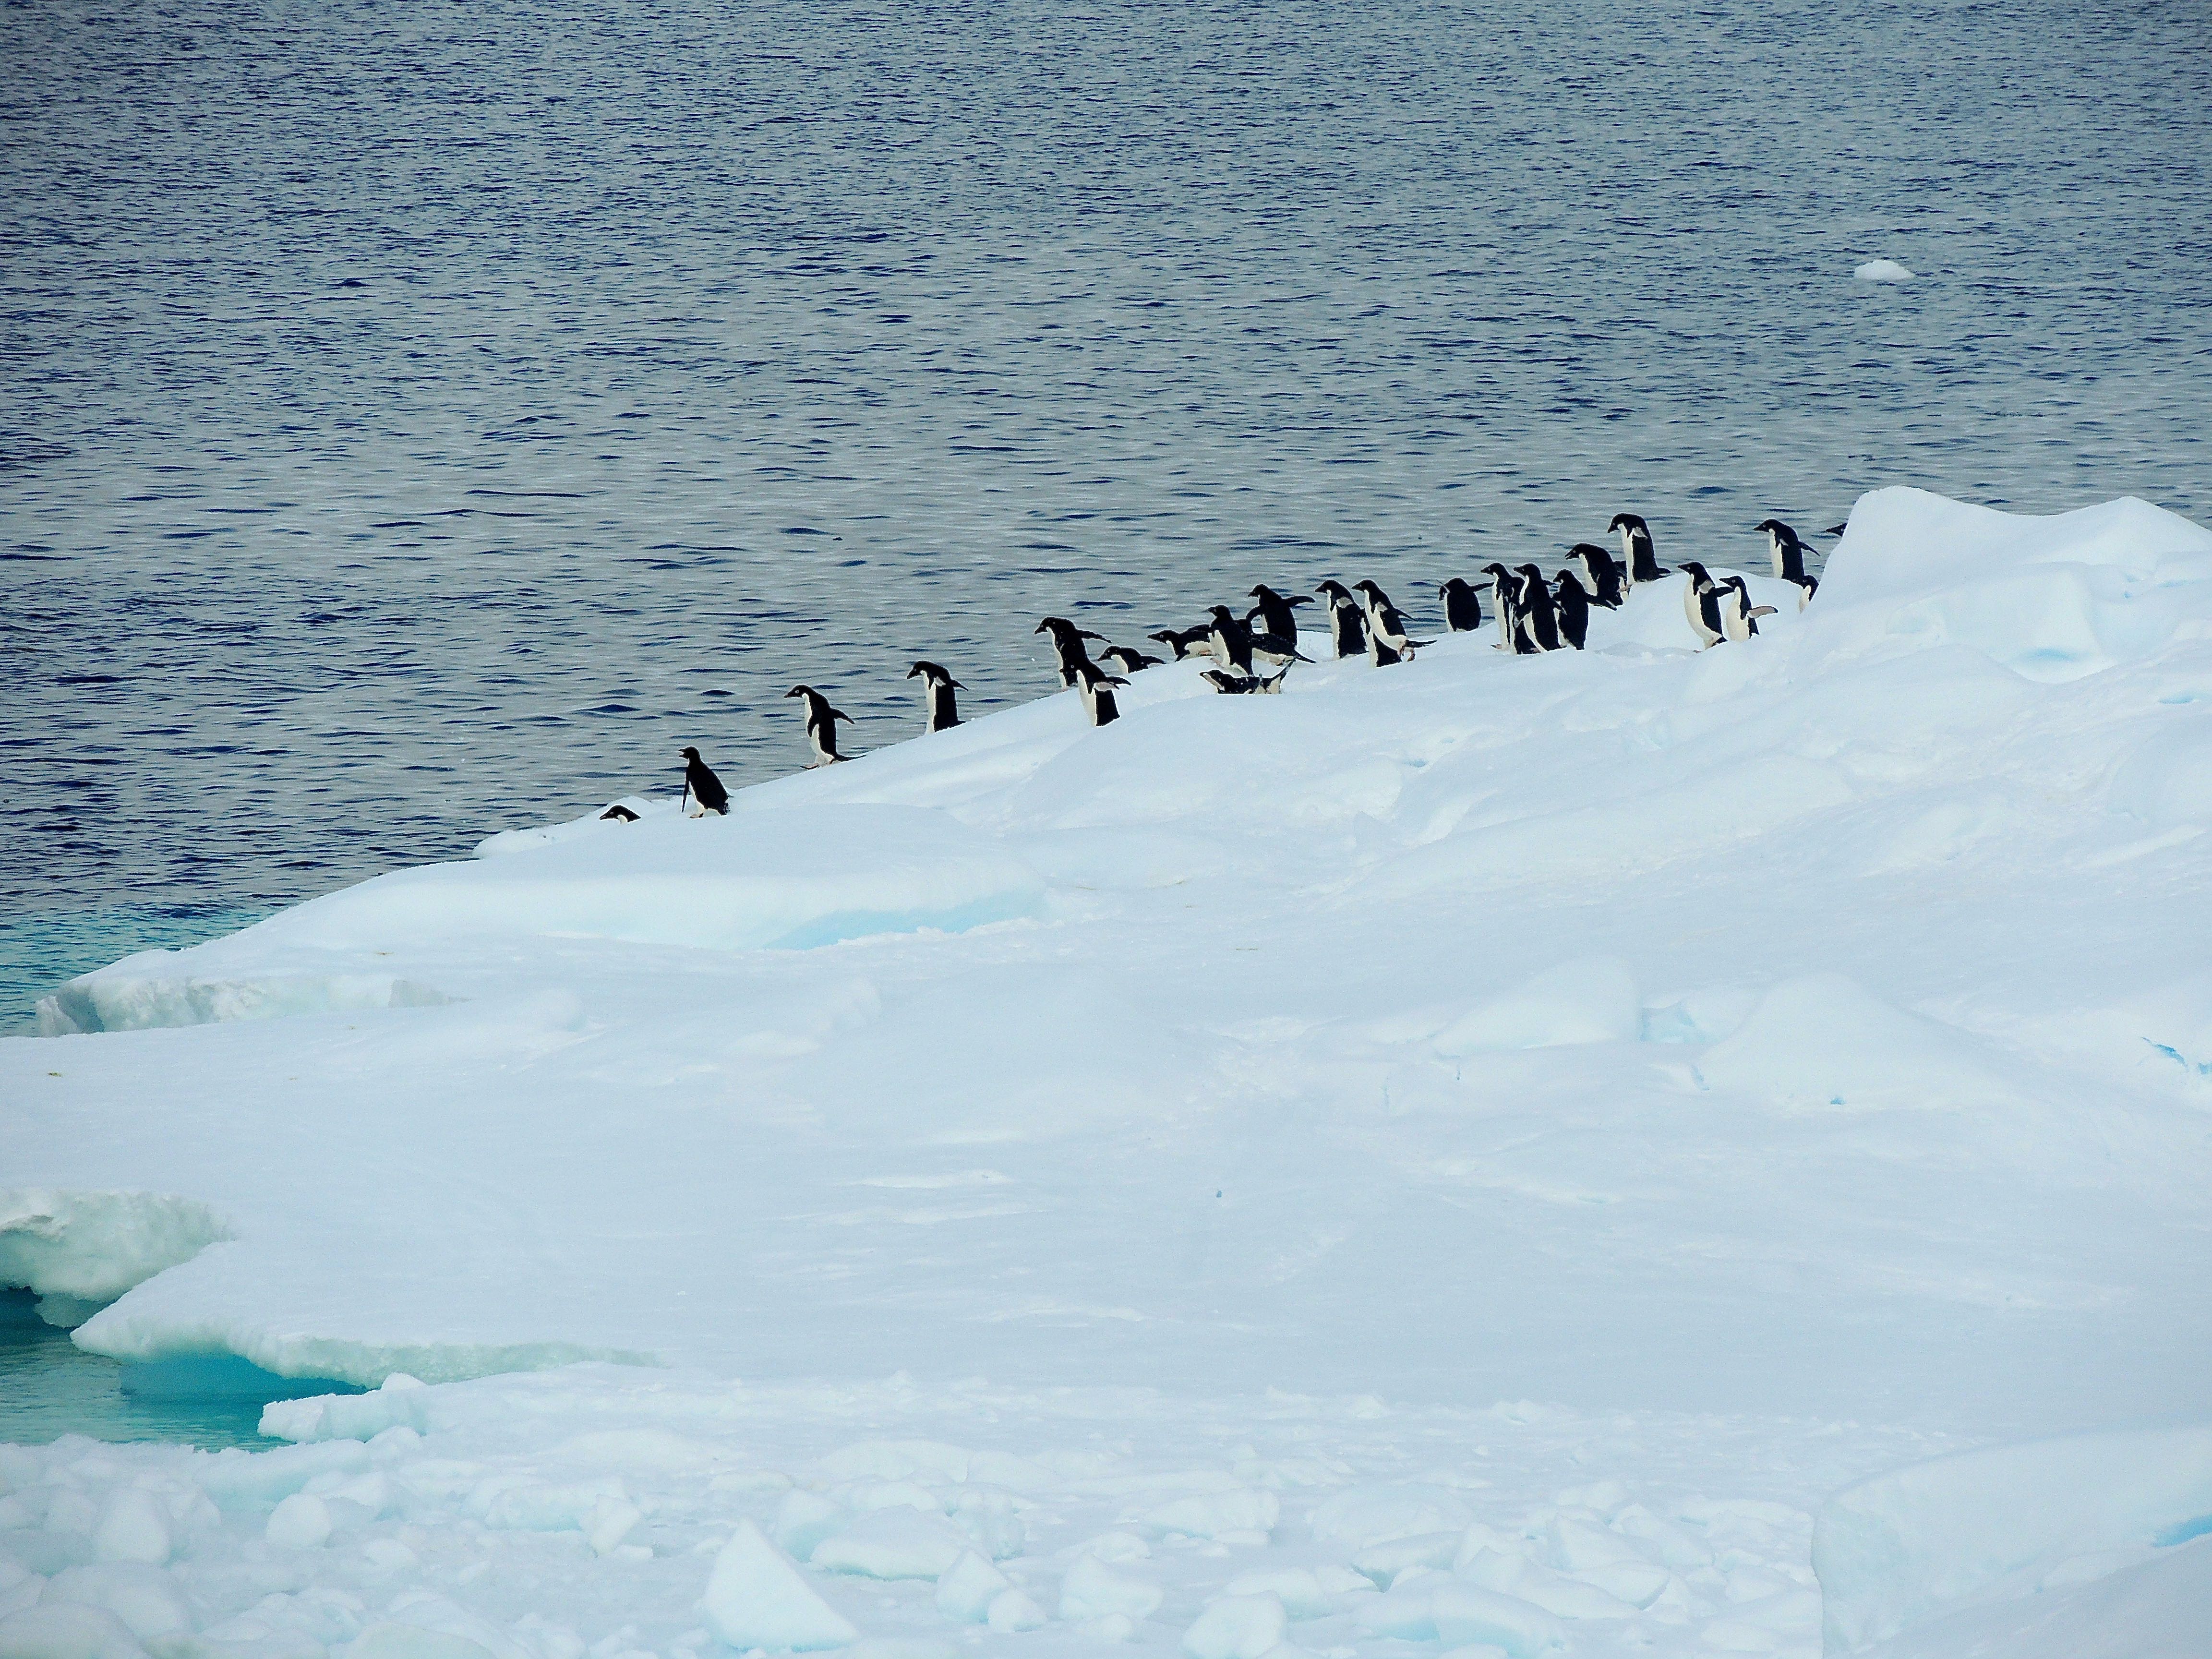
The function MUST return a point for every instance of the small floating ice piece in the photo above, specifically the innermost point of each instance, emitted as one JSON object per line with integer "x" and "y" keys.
{"x": 1882, "y": 271}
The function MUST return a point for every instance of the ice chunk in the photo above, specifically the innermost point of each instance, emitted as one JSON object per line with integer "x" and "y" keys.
{"x": 1384, "y": 1562}
{"x": 1363, "y": 1515}
{"x": 96, "y": 1245}
{"x": 1823, "y": 1040}
{"x": 1468, "y": 1614}
{"x": 1882, "y": 271}
{"x": 969, "y": 1587}
{"x": 803, "y": 1519}
{"x": 67, "y": 1630}
{"x": 757, "y": 1599}
{"x": 135, "y": 1526}
{"x": 893, "y": 1543}
{"x": 1903, "y": 1547}
{"x": 1210, "y": 1515}
{"x": 147, "y": 1601}
{"x": 1012, "y": 1612}
{"x": 127, "y": 998}
{"x": 1236, "y": 1627}
{"x": 1298, "y": 1589}
{"x": 1091, "y": 1591}
{"x": 1596, "y": 1000}
{"x": 394, "y": 1640}
{"x": 300, "y": 1522}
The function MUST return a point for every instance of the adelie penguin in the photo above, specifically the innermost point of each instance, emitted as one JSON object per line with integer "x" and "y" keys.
{"x": 941, "y": 710}
{"x": 821, "y": 724}
{"x": 1635, "y": 535}
{"x": 1601, "y": 575}
{"x": 1504, "y": 600}
{"x": 1389, "y": 639}
{"x": 620, "y": 814}
{"x": 1701, "y": 604}
{"x": 1097, "y": 687}
{"x": 1275, "y": 612}
{"x": 1347, "y": 621}
{"x": 1122, "y": 660}
{"x": 1806, "y": 586}
{"x": 1067, "y": 644}
{"x": 1786, "y": 548}
{"x": 1574, "y": 608}
{"x": 1540, "y": 621}
{"x": 1237, "y": 685}
{"x": 1739, "y": 615}
{"x": 1463, "y": 606}
{"x": 703, "y": 790}
{"x": 1187, "y": 641}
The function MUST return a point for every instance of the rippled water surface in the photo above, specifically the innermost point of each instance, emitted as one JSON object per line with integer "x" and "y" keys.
{"x": 419, "y": 420}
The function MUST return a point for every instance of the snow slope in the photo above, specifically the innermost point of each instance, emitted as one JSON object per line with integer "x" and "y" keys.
{"x": 1786, "y": 1061}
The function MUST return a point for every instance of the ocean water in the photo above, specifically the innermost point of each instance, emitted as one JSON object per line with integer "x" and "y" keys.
{"x": 421, "y": 421}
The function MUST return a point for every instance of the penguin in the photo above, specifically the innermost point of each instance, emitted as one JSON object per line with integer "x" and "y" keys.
{"x": 620, "y": 814}
{"x": 1280, "y": 649}
{"x": 1807, "y": 587}
{"x": 1574, "y": 609}
{"x": 1233, "y": 686}
{"x": 1275, "y": 611}
{"x": 1232, "y": 641}
{"x": 1386, "y": 627}
{"x": 1785, "y": 548}
{"x": 1701, "y": 604}
{"x": 1067, "y": 644}
{"x": 1539, "y": 620}
{"x": 1837, "y": 529}
{"x": 1642, "y": 564}
{"x": 1504, "y": 596}
{"x": 940, "y": 708}
{"x": 1096, "y": 684}
{"x": 1601, "y": 575}
{"x": 1187, "y": 641}
{"x": 703, "y": 790}
{"x": 1463, "y": 606}
{"x": 1122, "y": 659}
{"x": 821, "y": 724}
{"x": 1347, "y": 622}
{"x": 1739, "y": 615}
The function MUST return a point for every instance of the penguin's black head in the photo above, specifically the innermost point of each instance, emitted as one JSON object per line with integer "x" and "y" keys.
{"x": 1627, "y": 521}
{"x": 1696, "y": 572}
{"x": 1568, "y": 578}
{"x": 1493, "y": 568}
{"x": 1260, "y": 591}
{"x": 1584, "y": 549}
{"x": 1835, "y": 529}
{"x": 1223, "y": 613}
{"x": 690, "y": 754}
{"x": 1777, "y": 528}
{"x": 1334, "y": 588}
{"x": 1532, "y": 573}
{"x": 800, "y": 691}
{"x": 1367, "y": 587}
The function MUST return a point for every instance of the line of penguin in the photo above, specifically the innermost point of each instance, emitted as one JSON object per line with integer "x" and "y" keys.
{"x": 1253, "y": 653}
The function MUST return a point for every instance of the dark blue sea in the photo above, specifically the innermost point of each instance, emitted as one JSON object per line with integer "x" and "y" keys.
{"x": 419, "y": 420}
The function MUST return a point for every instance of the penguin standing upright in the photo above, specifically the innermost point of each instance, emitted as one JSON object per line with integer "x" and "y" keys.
{"x": 1539, "y": 622}
{"x": 703, "y": 790}
{"x": 1387, "y": 632}
{"x": 1067, "y": 644}
{"x": 821, "y": 724}
{"x": 1275, "y": 612}
{"x": 1096, "y": 686}
{"x": 1701, "y": 604}
{"x": 1347, "y": 621}
{"x": 1642, "y": 564}
{"x": 1574, "y": 609}
{"x": 1463, "y": 606}
{"x": 940, "y": 708}
{"x": 1505, "y": 596}
{"x": 1601, "y": 575}
{"x": 1232, "y": 641}
{"x": 1739, "y": 615}
{"x": 1786, "y": 548}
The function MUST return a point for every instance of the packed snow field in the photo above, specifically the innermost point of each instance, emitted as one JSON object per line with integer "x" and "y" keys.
{"x": 1639, "y": 1151}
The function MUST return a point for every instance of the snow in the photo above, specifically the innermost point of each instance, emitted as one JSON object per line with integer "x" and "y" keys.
{"x": 1475, "y": 1154}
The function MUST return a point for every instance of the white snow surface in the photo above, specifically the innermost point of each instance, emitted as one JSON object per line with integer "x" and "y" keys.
{"x": 1471, "y": 1155}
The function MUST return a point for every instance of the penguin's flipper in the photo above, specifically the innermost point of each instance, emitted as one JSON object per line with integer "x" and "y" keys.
{"x": 1761, "y": 611}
